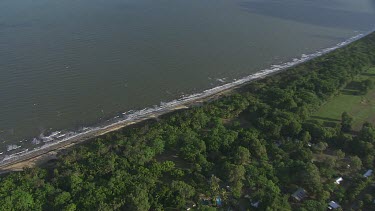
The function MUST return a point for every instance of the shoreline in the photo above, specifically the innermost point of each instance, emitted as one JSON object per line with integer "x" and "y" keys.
{"x": 48, "y": 152}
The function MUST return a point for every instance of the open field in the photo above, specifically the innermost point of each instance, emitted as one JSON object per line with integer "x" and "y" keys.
{"x": 360, "y": 107}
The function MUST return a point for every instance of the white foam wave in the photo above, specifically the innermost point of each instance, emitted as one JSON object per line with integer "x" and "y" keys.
{"x": 58, "y": 137}
{"x": 221, "y": 80}
{"x": 12, "y": 147}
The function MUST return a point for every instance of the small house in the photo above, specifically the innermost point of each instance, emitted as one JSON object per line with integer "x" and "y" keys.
{"x": 218, "y": 201}
{"x": 190, "y": 205}
{"x": 205, "y": 200}
{"x": 368, "y": 173}
{"x": 255, "y": 204}
{"x": 333, "y": 205}
{"x": 339, "y": 180}
{"x": 300, "y": 194}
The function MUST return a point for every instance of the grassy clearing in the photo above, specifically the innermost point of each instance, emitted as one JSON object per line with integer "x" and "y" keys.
{"x": 361, "y": 107}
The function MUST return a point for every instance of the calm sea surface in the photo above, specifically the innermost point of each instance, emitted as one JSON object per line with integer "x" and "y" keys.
{"x": 71, "y": 63}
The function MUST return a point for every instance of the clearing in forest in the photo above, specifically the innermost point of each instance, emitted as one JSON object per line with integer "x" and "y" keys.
{"x": 360, "y": 107}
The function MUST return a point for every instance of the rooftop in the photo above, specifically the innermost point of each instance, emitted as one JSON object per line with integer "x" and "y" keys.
{"x": 299, "y": 194}
{"x": 333, "y": 205}
{"x": 368, "y": 173}
{"x": 255, "y": 204}
{"x": 339, "y": 180}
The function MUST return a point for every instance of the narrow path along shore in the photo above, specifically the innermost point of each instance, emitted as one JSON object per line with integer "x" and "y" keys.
{"x": 49, "y": 153}
{"x": 46, "y": 153}
{"x": 34, "y": 158}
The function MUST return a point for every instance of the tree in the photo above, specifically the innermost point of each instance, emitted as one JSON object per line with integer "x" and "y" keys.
{"x": 367, "y": 133}
{"x": 342, "y": 140}
{"x": 158, "y": 145}
{"x": 346, "y": 122}
{"x": 242, "y": 156}
{"x": 19, "y": 200}
{"x": 62, "y": 199}
{"x": 293, "y": 128}
{"x": 340, "y": 154}
{"x": 305, "y": 137}
{"x": 181, "y": 193}
{"x": 316, "y": 130}
{"x": 138, "y": 199}
{"x": 71, "y": 207}
{"x": 368, "y": 199}
{"x": 311, "y": 205}
{"x": 355, "y": 163}
{"x": 258, "y": 149}
{"x": 214, "y": 185}
{"x": 192, "y": 148}
{"x": 314, "y": 182}
{"x": 366, "y": 85}
{"x": 235, "y": 177}
{"x": 320, "y": 147}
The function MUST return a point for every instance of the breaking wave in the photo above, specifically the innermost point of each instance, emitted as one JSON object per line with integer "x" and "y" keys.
{"x": 43, "y": 143}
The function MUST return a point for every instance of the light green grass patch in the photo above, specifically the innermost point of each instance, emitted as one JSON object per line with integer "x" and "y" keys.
{"x": 361, "y": 107}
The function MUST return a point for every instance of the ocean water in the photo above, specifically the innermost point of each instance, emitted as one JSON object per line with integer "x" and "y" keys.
{"x": 71, "y": 65}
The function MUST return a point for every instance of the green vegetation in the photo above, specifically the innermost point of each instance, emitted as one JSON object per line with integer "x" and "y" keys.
{"x": 252, "y": 149}
{"x": 358, "y": 99}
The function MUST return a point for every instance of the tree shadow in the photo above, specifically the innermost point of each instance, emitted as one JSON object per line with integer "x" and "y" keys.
{"x": 313, "y": 121}
{"x": 326, "y": 119}
{"x": 354, "y": 85}
{"x": 330, "y": 124}
{"x": 368, "y": 74}
{"x": 350, "y": 92}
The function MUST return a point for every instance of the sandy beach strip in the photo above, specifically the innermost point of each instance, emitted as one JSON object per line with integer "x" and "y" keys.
{"x": 44, "y": 155}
